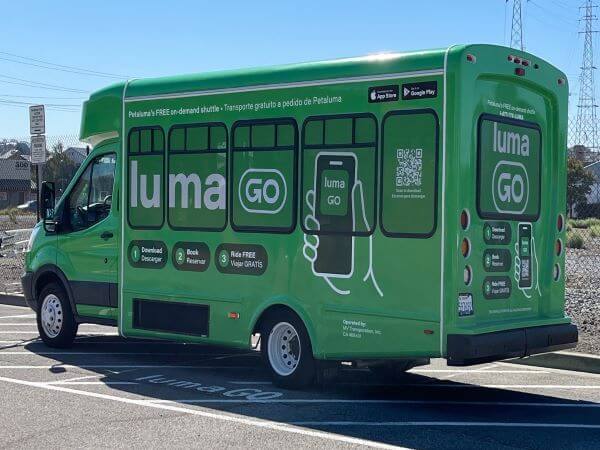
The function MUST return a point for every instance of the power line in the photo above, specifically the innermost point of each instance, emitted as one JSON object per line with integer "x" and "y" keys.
{"x": 555, "y": 16}
{"x": 45, "y": 104}
{"x": 50, "y": 108}
{"x": 37, "y": 84}
{"x": 42, "y": 96}
{"x": 56, "y": 66}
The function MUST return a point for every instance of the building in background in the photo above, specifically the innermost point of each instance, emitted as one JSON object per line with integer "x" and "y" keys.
{"x": 594, "y": 196}
{"x": 15, "y": 181}
{"x": 76, "y": 154}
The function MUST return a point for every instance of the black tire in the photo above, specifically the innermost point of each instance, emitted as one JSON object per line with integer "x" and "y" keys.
{"x": 66, "y": 326}
{"x": 305, "y": 370}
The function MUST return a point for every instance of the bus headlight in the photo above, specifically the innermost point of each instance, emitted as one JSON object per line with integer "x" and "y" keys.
{"x": 32, "y": 237}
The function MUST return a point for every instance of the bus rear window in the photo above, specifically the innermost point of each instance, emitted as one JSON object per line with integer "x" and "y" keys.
{"x": 509, "y": 160}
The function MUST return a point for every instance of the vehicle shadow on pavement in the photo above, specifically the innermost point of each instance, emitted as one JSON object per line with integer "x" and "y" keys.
{"x": 222, "y": 380}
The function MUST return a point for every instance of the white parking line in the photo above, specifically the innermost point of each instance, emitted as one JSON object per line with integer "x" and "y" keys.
{"x": 29, "y": 316}
{"x": 446, "y": 424}
{"x": 127, "y": 366}
{"x": 107, "y": 383}
{"x": 17, "y": 324}
{"x": 476, "y": 371}
{"x": 266, "y": 424}
{"x": 33, "y": 353}
{"x": 384, "y": 402}
{"x": 90, "y": 333}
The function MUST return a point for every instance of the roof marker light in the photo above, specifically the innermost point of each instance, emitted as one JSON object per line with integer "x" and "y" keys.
{"x": 471, "y": 58}
{"x": 520, "y": 71}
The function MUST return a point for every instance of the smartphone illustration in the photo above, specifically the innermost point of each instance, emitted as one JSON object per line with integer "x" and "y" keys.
{"x": 525, "y": 255}
{"x": 335, "y": 176}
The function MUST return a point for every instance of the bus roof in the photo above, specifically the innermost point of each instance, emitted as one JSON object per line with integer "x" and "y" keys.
{"x": 102, "y": 112}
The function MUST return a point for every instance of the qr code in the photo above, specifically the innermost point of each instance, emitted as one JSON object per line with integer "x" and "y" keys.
{"x": 525, "y": 268}
{"x": 409, "y": 170}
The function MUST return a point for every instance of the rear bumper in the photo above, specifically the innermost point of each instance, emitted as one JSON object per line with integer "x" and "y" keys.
{"x": 464, "y": 349}
{"x": 27, "y": 283}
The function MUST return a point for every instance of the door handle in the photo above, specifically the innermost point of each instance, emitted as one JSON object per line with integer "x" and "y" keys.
{"x": 106, "y": 235}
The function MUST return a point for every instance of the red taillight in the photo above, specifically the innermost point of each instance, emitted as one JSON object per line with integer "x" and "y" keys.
{"x": 560, "y": 223}
{"x": 233, "y": 315}
{"x": 465, "y": 247}
{"x": 464, "y": 219}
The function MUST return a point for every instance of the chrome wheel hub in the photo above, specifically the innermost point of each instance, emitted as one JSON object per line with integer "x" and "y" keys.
{"x": 284, "y": 349}
{"x": 52, "y": 315}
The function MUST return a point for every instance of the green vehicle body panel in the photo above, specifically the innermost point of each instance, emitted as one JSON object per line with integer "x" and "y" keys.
{"x": 397, "y": 294}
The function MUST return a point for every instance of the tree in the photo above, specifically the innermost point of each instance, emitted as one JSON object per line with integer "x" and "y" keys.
{"x": 579, "y": 183}
{"x": 59, "y": 168}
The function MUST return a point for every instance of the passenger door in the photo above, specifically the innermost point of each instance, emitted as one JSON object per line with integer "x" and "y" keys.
{"x": 89, "y": 233}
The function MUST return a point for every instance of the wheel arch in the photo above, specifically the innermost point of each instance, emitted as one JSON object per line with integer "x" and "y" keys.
{"x": 49, "y": 273}
{"x": 284, "y": 304}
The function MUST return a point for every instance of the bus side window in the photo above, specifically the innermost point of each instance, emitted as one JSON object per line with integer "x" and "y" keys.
{"x": 197, "y": 171}
{"x": 409, "y": 166}
{"x": 264, "y": 174}
{"x": 339, "y": 167}
{"x": 145, "y": 169}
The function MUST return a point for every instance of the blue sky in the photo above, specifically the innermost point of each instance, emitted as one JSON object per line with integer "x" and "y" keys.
{"x": 150, "y": 38}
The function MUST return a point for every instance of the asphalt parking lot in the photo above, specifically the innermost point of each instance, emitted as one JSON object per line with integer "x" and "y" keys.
{"x": 109, "y": 392}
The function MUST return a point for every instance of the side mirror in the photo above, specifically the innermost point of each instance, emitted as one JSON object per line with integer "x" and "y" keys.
{"x": 47, "y": 202}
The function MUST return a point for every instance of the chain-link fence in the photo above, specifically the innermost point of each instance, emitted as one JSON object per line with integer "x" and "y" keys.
{"x": 18, "y": 196}
{"x": 583, "y": 241}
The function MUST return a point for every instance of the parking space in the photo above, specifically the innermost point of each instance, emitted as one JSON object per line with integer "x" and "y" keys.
{"x": 109, "y": 392}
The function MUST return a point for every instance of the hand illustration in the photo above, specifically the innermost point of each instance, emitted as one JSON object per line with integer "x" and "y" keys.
{"x": 310, "y": 249}
{"x": 533, "y": 270}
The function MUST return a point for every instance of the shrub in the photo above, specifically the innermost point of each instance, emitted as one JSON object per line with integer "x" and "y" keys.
{"x": 574, "y": 240}
{"x": 579, "y": 223}
{"x": 595, "y": 231}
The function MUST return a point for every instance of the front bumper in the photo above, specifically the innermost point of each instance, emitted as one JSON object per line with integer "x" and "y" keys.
{"x": 27, "y": 283}
{"x": 464, "y": 349}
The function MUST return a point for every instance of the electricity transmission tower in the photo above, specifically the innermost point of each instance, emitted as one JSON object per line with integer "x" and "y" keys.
{"x": 586, "y": 126}
{"x": 516, "y": 33}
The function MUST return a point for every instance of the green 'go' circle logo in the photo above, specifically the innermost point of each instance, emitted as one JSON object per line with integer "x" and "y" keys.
{"x": 223, "y": 258}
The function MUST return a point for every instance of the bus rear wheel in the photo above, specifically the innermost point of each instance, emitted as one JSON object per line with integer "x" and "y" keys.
{"x": 287, "y": 351}
{"x": 55, "y": 321}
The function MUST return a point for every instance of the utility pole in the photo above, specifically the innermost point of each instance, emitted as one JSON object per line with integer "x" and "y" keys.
{"x": 586, "y": 126}
{"x": 516, "y": 32}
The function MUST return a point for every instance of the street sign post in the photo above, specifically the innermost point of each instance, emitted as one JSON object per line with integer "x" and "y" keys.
{"x": 38, "y": 149}
{"x": 37, "y": 128}
{"x": 37, "y": 119}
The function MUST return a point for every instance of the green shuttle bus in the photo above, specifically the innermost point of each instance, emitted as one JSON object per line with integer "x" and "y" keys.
{"x": 381, "y": 210}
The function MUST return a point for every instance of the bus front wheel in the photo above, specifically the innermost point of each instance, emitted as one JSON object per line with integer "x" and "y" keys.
{"x": 287, "y": 350}
{"x": 55, "y": 321}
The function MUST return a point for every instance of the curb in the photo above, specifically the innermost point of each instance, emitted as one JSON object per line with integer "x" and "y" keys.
{"x": 13, "y": 299}
{"x": 579, "y": 362}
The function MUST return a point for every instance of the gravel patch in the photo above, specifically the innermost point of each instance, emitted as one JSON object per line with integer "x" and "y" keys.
{"x": 583, "y": 294}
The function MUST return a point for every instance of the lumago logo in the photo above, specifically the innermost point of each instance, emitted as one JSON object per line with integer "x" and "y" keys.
{"x": 262, "y": 191}
{"x": 510, "y": 179}
{"x": 511, "y": 187}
